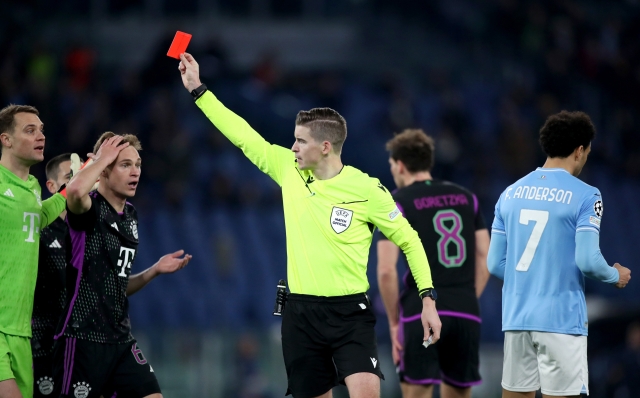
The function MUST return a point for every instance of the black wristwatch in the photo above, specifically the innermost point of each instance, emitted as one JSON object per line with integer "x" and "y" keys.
{"x": 197, "y": 92}
{"x": 429, "y": 293}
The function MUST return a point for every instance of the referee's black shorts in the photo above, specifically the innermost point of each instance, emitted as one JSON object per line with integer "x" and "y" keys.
{"x": 326, "y": 339}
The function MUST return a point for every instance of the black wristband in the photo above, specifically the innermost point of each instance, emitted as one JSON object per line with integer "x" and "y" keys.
{"x": 197, "y": 92}
{"x": 431, "y": 292}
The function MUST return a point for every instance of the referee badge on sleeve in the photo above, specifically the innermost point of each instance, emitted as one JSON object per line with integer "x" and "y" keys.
{"x": 340, "y": 219}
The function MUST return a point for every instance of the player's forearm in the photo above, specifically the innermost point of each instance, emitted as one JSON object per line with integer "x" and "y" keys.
{"x": 79, "y": 187}
{"x": 138, "y": 281}
{"x": 407, "y": 239}
{"x": 388, "y": 278}
{"x": 388, "y": 286}
{"x": 482, "y": 274}
{"x": 481, "y": 271}
{"x": 497, "y": 257}
{"x": 590, "y": 260}
{"x": 52, "y": 208}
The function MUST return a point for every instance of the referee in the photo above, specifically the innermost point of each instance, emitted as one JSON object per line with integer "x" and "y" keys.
{"x": 330, "y": 213}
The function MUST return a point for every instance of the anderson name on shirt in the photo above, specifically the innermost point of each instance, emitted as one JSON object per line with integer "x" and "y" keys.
{"x": 539, "y": 193}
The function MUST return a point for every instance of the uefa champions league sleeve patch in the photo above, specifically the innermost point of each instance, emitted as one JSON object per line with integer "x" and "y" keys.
{"x": 598, "y": 208}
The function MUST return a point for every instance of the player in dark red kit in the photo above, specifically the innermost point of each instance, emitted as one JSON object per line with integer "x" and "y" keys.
{"x": 456, "y": 240}
{"x": 95, "y": 352}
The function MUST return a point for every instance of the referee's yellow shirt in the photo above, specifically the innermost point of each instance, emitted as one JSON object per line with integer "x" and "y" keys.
{"x": 329, "y": 223}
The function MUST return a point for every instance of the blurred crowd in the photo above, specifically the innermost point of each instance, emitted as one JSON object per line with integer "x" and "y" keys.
{"x": 517, "y": 62}
{"x": 550, "y": 55}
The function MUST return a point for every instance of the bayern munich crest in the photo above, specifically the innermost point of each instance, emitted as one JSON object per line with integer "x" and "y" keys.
{"x": 45, "y": 385}
{"x": 81, "y": 390}
{"x": 134, "y": 229}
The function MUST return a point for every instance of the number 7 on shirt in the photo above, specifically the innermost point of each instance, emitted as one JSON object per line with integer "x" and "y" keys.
{"x": 540, "y": 217}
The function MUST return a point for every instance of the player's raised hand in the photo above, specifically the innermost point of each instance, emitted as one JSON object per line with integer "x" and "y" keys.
{"x": 430, "y": 320}
{"x": 190, "y": 71}
{"x": 172, "y": 262}
{"x": 109, "y": 150}
{"x": 625, "y": 275}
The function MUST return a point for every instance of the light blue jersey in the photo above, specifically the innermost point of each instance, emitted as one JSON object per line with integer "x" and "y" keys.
{"x": 540, "y": 215}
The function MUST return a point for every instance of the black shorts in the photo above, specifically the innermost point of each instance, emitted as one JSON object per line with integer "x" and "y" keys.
{"x": 43, "y": 377}
{"x": 326, "y": 339}
{"x": 84, "y": 369}
{"x": 453, "y": 359}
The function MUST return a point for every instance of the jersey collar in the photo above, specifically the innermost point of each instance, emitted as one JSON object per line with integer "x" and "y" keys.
{"x": 552, "y": 169}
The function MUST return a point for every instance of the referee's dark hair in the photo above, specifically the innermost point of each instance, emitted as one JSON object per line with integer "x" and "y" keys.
{"x": 414, "y": 148}
{"x": 53, "y": 166}
{"x": 563, "y": 132}
{"x": 324, "y": 124}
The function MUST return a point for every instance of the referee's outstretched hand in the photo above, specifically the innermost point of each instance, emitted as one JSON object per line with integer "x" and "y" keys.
{"x": 430, "y": 320}
{"x": 190, "y": 72}
{"x": 172, "y": 262}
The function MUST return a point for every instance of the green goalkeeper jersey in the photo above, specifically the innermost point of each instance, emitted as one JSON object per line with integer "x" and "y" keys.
{"x": 329, "y": 223}
{"x": 22, "y": 216}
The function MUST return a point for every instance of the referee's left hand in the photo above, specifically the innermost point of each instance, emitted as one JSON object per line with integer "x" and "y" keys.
{"x": 430, "y": 320}
{"x": 172, "y": 262}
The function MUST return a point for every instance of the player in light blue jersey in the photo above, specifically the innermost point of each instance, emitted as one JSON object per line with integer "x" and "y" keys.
{"x": 545, "y": 239}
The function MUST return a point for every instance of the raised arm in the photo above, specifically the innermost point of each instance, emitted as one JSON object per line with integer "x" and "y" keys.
{"x": 78, "y": 200}
{"x": 269, "y": 158}
{"x": 167, "y": 264}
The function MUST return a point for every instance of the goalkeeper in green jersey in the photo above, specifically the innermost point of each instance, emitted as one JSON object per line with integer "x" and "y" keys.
{"x": 23, "y": 214}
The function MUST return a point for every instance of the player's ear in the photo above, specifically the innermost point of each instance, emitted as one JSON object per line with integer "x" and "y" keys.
{"x": 4, "y": 139}
{"x": 401, "y": 167}
{"x": 51, "y": 186}
{"x": 326, "y": 147}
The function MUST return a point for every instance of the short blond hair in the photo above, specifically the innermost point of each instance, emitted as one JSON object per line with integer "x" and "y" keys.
{"x": 129, "y": 138}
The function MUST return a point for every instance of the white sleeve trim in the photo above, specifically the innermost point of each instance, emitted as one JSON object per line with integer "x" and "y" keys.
{"x": 497, "y": 231}
{"x": 588, "y": 229}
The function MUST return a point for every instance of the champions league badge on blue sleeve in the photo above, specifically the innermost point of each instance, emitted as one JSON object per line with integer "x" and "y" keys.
{"x": 598, "y": 208}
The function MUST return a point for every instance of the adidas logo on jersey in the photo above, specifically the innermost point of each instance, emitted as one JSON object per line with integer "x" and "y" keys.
{"x": 114, "y": 225}
{"x": 55, "y": 245}
{"x": 9, "y": 193}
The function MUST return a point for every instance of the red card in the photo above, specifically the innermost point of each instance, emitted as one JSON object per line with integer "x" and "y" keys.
{"x": 179, "y": 44}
